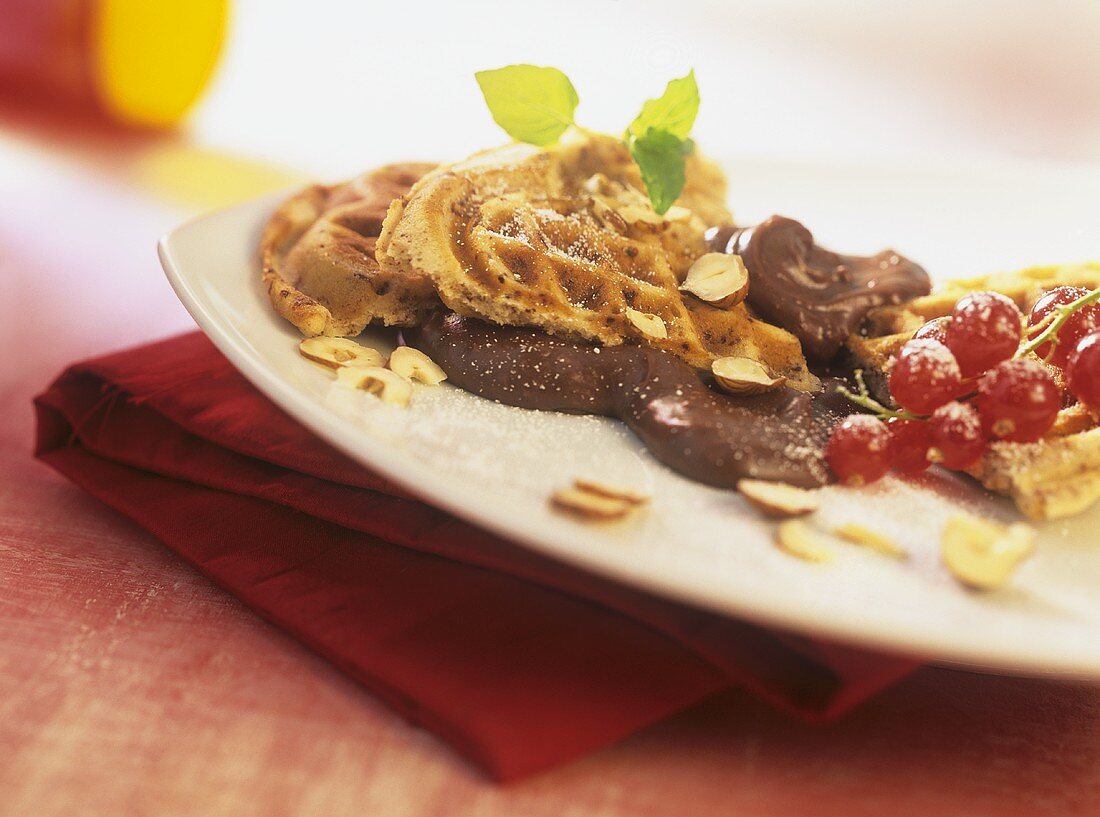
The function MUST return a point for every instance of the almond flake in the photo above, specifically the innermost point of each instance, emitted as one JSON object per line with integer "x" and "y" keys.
{"x": 597, "y": 501}
{"x": 639, "y": 214}
{"x": 799, "y": 539}
{"x": 859, "y": 535}
{"x": 604, "y": 489}
{"x": 778, "y": 499}
{"x": 588, "y": 505}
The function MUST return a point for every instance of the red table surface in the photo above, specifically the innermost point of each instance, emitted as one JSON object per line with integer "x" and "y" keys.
{"x": 130, "y": 685}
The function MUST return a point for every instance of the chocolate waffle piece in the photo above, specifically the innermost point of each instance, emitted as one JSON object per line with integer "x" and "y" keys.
{"x": 317, "y": 256}
{"x": 1056, "y": 477}
{"x": 565, "y": 241}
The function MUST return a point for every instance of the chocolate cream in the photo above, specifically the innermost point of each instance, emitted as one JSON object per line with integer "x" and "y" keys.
{"x": 710, "y": 437}
{"x": 818, "y": 295}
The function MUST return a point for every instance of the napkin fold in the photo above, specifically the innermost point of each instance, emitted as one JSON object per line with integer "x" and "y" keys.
{"x": 518, "y": 661}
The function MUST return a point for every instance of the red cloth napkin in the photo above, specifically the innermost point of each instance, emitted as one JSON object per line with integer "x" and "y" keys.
{"x": 517, "y": 661}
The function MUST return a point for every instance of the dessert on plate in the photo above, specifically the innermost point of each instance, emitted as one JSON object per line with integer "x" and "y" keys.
{"x": 579, "y": 272}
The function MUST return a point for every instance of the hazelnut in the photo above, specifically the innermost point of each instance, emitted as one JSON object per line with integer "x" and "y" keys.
{"x": 647, "y": 324}
{"x": 338, "y": 352}
{"x": 743, "y": 375}
{"x": 983, "y": 554}
{"x": 718, "y": 278}
{"x": 388, "y": 386}
{"x": 413, "y": 364}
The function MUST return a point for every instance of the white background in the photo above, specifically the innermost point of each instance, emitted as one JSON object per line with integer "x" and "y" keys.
{"x": 332, "y": 86}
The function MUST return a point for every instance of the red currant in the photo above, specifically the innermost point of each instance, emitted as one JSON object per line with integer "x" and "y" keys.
{"x": 1080, "y": 323}
{"x": 985, "y": 328}
{"x": 1017, "y": 400}
{"x": 1083, "y": 371}
{"x": 859, "y": 450}
{"x": 955, "y": 434}
{"x": 925, "y": 376}
{"x": 935, "y": 329}
{"x": 909, "y": 445}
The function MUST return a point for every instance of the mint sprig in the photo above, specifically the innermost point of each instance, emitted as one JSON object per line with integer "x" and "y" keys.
{"x": 532, "y": 104}
{"x": 660, "y": 157}
{"x": 674, "y": 111}
{"x": 536, "y": 104}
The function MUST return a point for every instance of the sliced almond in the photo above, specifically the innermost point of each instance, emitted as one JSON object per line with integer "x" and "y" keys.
{"x": 590, "y": 506}
{"x": 718, "y": 278}
{"x": 778, "y": 499}
{"x": 338, "y": 352}
{"x": 388, "y": 386}
{"x": 678, "y": 213}
{"x": 647, "y": 324}
{"x": 984, "y": 554}
{"x": 608, "y": 216}
{"x": 799, "y": 539}
{"x": 865, "y": 537}
{"x": 743, "y": 375}
{"x": 596, "y": 183}
{"x": 413, "y": 364}
{"x": 604, "y": 489}
{"x": 639, "y": 214}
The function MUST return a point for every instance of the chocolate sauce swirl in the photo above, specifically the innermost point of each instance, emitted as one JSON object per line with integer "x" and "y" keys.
{"x": 713, "y": 438}
{"x": 819, "y": 296}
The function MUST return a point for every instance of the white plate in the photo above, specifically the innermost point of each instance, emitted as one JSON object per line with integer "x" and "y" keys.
{"x": 495, "y": 465}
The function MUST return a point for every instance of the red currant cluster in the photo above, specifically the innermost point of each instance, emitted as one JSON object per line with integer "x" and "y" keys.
{"x": 965, "y": 380}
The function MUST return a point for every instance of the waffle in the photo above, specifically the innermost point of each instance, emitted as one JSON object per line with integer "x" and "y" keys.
{"x": 1057, "y": 476}
{"x": 563, "y": 240}
{"x": 317, "y": 256}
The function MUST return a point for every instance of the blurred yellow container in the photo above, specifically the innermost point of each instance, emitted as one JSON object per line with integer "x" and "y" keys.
{"x": 138, "y": 62}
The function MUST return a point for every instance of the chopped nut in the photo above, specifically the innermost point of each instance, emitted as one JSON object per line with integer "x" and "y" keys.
{"x": 678, "y": 213}
{"x": 628, "y": 495}
{"x": 984, "y": 554}
{"x": 743, "y": 375}
{"x": 597, "y": 500}
{"x": 799, "y": 539}
{"x": 778, "y": 499}
{"x": 639, "y": 214}
{"x": 607, "y": 215}
{"x": 718, "y": 278}
{"x": 859, "y": 535}
{"x": 647, "y": 324}
{"x": 589, "y": 505}
{"x": 337, "y": 352}
{"x": 596, "y": 183}
{"x": 413, "y": 364}
{"x": 388, "y": 386}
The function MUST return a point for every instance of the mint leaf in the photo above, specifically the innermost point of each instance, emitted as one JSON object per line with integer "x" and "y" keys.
{"x": 531, "y": 103}
{"x": 660, "y": 157}
{"x": 673, "y": 111}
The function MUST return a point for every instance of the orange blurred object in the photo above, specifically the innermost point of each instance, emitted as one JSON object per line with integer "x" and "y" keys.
{"x": 142, "y": 63}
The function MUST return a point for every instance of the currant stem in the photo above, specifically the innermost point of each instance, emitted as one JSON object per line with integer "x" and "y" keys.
{"x": 1055, "y": 321}
{"x": 865, "y": 400}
